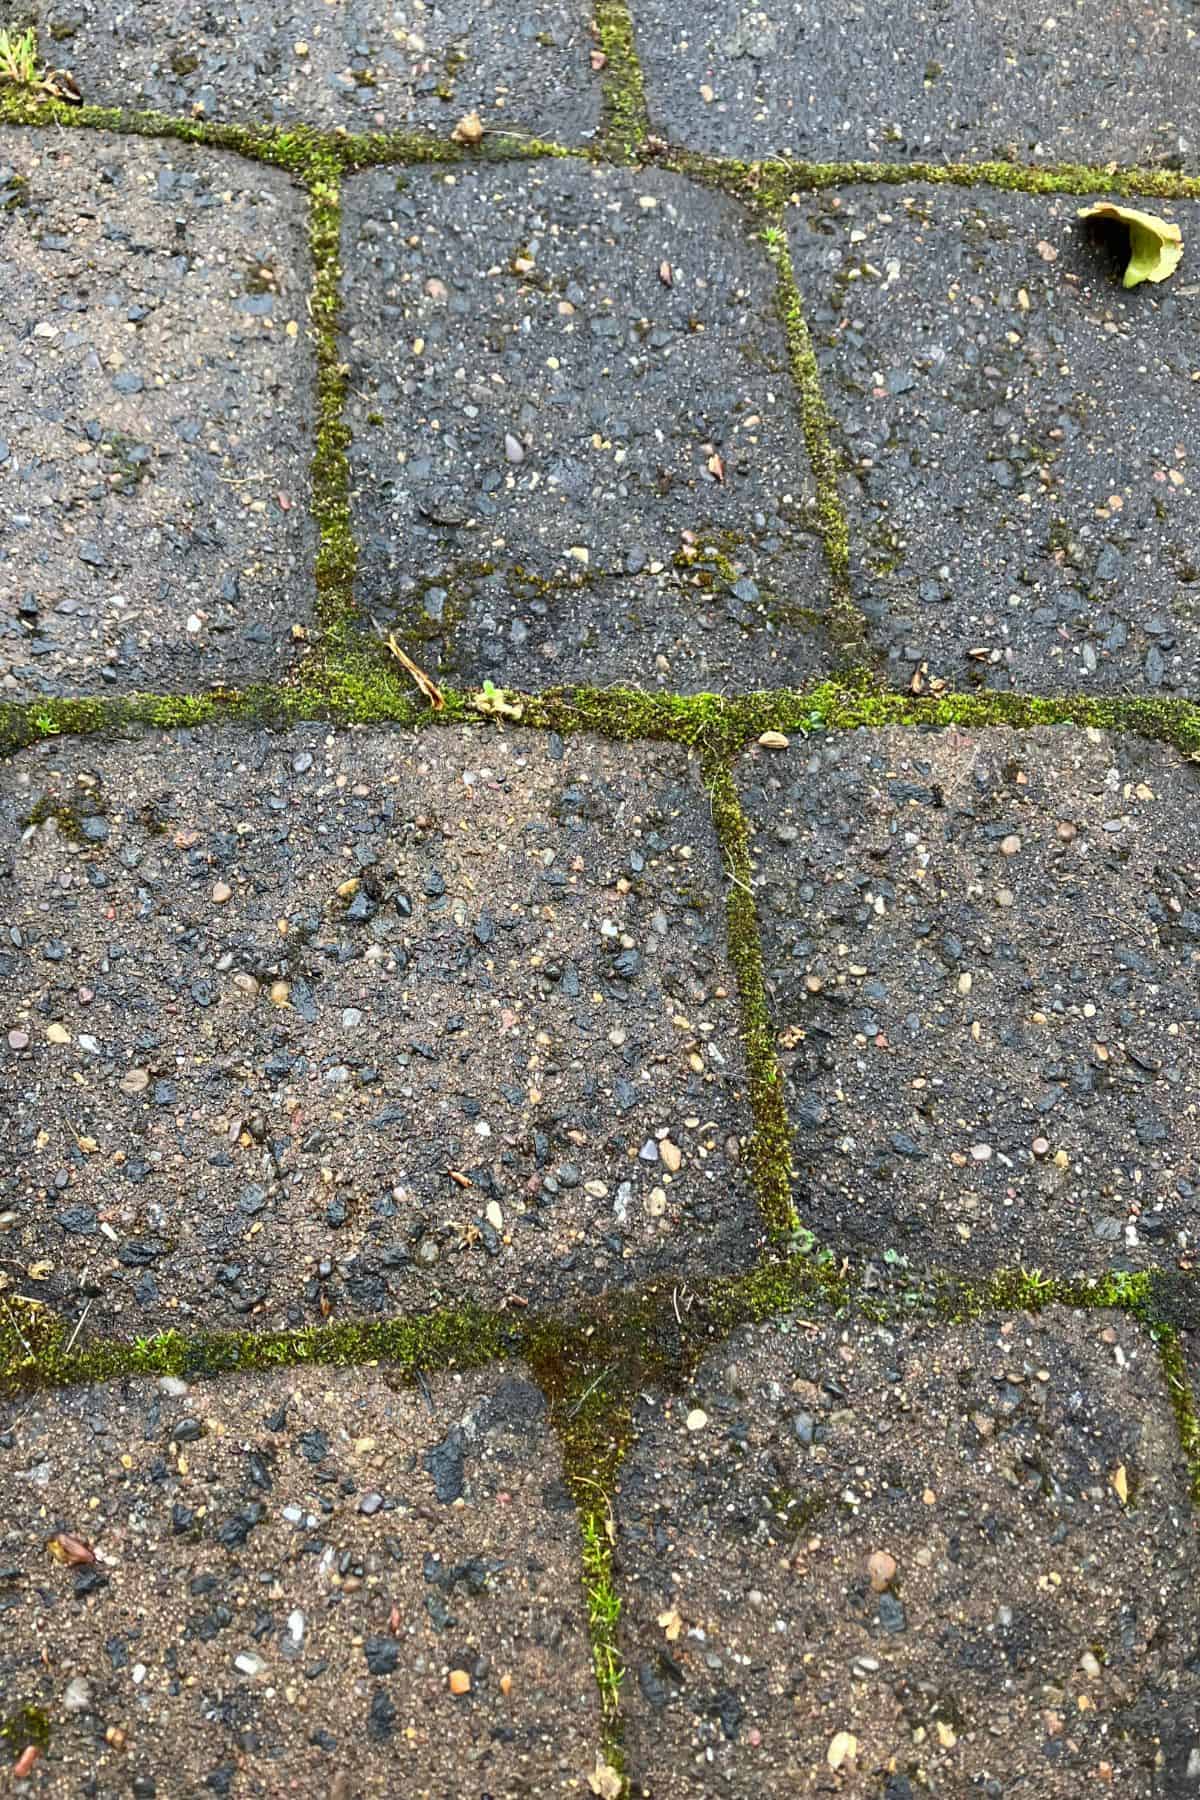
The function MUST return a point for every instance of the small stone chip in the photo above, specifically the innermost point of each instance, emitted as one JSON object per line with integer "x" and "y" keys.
{"x": 842, "y": 1747}
{"x": 460, "y": 1681}
{"x": 774, "y": 740}
{"x": 882, "y": 1570}
{"x": 697, "y": 1419}
{"x": 222, "y": 892}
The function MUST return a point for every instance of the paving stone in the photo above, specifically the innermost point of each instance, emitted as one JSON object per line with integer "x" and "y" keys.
{"x": 884, "y": 1562}
{"x": 362, "y": 1022}
{"x": 1017, "y": 431}
{"x": 982, "y": 953}
{"x": 153, "y": 324}
{"x": 362, "y": 65}
{"x": 254, "y": 1622}
{"x": 1011, "y": 81}
{"x": 577, "y": 449}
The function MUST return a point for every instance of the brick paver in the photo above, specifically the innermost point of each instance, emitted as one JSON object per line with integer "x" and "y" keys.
{"x": 153, "y": 321}
{"x": 359, "y": 65}
{"x": 1079, "y": 84}
{"x": 560, "y": 1240}
{"x": 577, "y": 451}
{"x": 1016, "y": 430}
{"x": 894, "y": 1561}
{"x": 284, "y": 1580}
{"x": 368, "y": 1021}
{"x": 983, "y": 958}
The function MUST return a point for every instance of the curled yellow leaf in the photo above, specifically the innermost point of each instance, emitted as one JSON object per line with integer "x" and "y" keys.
{"x": 1155, "y": 245}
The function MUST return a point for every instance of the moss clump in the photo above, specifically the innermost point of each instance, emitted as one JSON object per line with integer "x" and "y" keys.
{"x": 626, "y": 120}
{"x": 28, "y": 1726}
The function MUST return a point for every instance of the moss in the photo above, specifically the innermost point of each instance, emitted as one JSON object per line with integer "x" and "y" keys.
{"x": 774, "y": 181}
{"x": 465, "y": 1337}
{"x": 846, "y": 625}
{"x": 67, "y": 818}
{"x": 771, "y": 1139}
{"x": 337, "y": 554}
{"x": 28, "y": 1726}
{"x": 1183, "y": 1402}
{"x": 626, "y": 121}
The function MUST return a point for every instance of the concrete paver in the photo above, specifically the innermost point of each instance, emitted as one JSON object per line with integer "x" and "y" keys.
{"x": 1016, "y": 430}
{"x": 362, "y": 65}
{"x": 577, "y": 449}
{"x": 1084, "y": 84}
{"x": 982, "y": 953}
{"x": 366, "y": 1022}
{"x": 285, "y": 1579}
{"x": 891, "y": 1561}
{"x": 153, "y": 321}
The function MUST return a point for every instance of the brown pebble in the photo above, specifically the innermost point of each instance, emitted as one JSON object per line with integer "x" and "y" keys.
{"x": 1041, "y": 1146}
{"x": 18, "y": 1040}
{"x": 1010, "y": 845}
{"x": 460, "y": 1681}
{"x": 1067, "y": 831}
{"x": 882, "y": 1569}
{"x": 222, "y": 892}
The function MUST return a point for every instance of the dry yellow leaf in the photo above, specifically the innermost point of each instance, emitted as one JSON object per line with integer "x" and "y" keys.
{"x": 671, "y": 1623}
{"x": 1155, "y": 245}
{"x": 1120, "y": 1484}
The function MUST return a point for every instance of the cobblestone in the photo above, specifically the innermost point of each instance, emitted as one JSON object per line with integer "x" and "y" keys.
{"x": 153, "y": 321}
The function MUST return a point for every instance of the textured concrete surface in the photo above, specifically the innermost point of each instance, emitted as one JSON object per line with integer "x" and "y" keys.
{"x": 982, "y": 954}
{"x": 359, "y": 65}
{"x": 153, "y": 324}
{"x": 1016, "y": 431}
{"x": 1086, "y": 83}
{"x": 363, "y": 1022}
{"x": 280, "y": 1583}
{"x": 892, "y": 1561}
{"x": 577, "y": 449}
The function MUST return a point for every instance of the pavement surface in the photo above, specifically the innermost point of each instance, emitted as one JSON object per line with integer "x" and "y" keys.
{"x": 631, "y": 1244}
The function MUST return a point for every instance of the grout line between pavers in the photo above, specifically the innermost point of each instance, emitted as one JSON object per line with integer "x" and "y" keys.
{"x": 771, "y": 1131}
{"x": 358, "y": 687}
{"x": 773, "y": 180}
{"x": 626, "y": 123}
{"x": 847, "y": 626}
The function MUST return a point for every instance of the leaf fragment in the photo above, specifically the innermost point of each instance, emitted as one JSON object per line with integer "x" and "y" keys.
{"x": 74, "y": 1552}
{"x": 1120, "y": 1484}
{"x": 426, "y": 683}
{"x": 1155, "y": 245}
{"x": 495, "y": 702}
{"x": 604, "y": 1780}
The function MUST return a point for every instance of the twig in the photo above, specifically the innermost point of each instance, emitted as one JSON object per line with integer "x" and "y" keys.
{"x": 591, "y": 1390}
{"x": 28, "y": 1347}
{"x": 79, "y": 1327}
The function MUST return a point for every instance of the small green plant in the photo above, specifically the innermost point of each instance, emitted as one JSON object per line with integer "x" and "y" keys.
{"x": 603, "y": 1602}
{"x": 19, "y": 60}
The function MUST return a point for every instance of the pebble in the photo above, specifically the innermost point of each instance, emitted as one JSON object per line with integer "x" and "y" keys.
{"x": 248, "y": 1664}
{"x": 842, "y": 1747}
{"x": 57, "y": 1034}
{"x": 697, "y": 1419}
{"x": 514, "y": 449}
{"x": 882, "y": 1570}
{"x": 774, "y": 740}
{"x": 1010, "y": 845}
{"x": 18, "y": 1040}
{"x": 670, "y": 1155}
{"x": 222, "y": 892}
{"x": 460, "y": 1681}
{"x": 78, "y": 1695}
